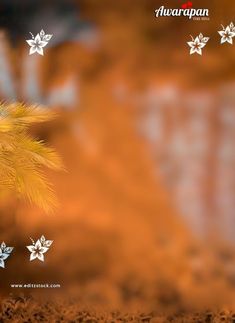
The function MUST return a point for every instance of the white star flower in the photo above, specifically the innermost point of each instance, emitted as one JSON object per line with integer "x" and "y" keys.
{"x": 4, "y": 254}
{"x": 227, "y": 34}
{"x": 39, "y": 248}
{"x": 38, "y": 43}
{"x": 197, "y": 44}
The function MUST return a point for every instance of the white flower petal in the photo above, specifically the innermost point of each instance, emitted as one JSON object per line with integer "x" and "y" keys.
{"x": 3, "y": 246}
{"x": 40, "y": 256}
{"x": 39, "y": 50}
{"x": 42, "y": 43}
{"x": 227, "y": 30}
{"x": 48, "y": 243}
{"x": 31, "y": 42}
{"x": 31, "y": 248}
{"x": 42, "y": 33}
{"x": 221, "y": 32}
{"x": 33, "y": 256}
{"x": 201, "y": 45}
{"x": 37, "y": 39}
{"x": 38, "y": 244}
{"x": 8, "y": 249}
{"x": 2, "y": 264}
{"x": 223, "y": 40}
{"x": 199, "y": 51}
{"x": 192, "y": 50}
{"x": 4, "y": 256}
{"x": 190, "y": 43}
{"x": 44, "y": 249}
{"x": 47, "y": 37}
{"x": 42, "y": 239}
{"x": 205, "y": 39}
{"x": 32, "y": 50}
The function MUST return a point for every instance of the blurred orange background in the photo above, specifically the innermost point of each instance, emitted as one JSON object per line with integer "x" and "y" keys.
{"x": 146, "y": 132}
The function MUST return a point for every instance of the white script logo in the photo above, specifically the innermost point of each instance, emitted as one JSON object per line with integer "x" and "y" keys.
{"x": 188, "y": 12}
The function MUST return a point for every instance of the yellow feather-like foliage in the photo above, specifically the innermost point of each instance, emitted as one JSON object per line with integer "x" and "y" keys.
{"x": 22, "y": 157}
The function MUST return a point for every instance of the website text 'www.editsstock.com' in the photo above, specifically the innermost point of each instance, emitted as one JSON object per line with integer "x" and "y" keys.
{"x": 31, "y": 285}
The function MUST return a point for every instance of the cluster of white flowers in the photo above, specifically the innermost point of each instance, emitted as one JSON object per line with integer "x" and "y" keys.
{"x": 200, "y": 41}
{"x": 37, "y": 250}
